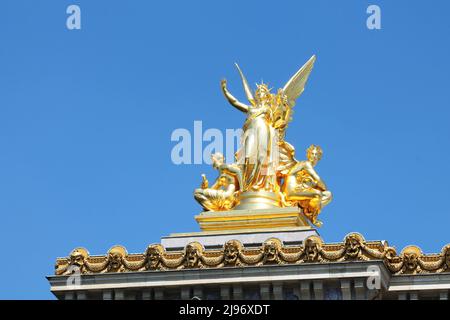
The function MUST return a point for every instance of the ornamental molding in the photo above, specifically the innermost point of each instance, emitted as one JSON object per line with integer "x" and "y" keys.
{"x": 411, "y": 260}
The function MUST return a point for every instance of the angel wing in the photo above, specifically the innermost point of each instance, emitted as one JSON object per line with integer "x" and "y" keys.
{"x": 248, "y": 91}
{"x": 295, "y": 86}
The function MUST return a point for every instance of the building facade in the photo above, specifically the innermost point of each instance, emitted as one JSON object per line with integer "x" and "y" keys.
{"x": 258, "y": 238}
{"x": 354, "y": 269}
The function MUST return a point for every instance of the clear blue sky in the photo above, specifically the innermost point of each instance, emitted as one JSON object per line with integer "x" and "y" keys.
{"x": 86, "y": 118}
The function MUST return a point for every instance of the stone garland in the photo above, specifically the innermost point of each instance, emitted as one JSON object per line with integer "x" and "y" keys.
{"x": 272, "y": 252}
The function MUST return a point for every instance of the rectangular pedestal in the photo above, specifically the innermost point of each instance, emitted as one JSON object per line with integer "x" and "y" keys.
{"x": 249, "y": 238}
{"x": 251, "y": 219}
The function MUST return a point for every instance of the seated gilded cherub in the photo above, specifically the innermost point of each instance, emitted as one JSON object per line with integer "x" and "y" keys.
{"x": 222, "y": 195}
{"x": 303, "y": 187}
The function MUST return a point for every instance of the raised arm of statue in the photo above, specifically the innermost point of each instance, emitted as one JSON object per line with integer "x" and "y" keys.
{"x": 231, "y": 99}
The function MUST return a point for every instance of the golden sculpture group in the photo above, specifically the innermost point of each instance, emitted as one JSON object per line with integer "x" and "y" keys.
{"x": 411, "y": 260}
{"x": 265, "y": 163}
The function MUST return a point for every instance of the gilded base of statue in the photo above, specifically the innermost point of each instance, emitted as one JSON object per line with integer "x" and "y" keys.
{"x": 258, "y": 200}
{"x": 245, "y": 219}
